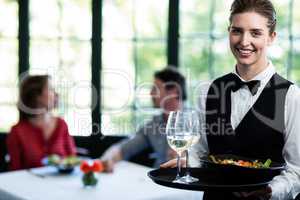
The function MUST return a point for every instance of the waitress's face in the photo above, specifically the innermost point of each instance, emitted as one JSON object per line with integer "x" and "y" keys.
{"x": 249, "y": 38}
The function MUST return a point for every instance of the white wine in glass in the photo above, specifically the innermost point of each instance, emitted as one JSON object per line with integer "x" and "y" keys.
{"x": 180, "y": 143}
{"x": 179, "y": 136}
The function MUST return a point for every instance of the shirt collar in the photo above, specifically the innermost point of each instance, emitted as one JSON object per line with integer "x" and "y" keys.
{"x": 264, "y": 75}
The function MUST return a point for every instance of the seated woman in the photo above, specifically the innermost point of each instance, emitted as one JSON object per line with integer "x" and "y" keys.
{"x": 38, "y": 133}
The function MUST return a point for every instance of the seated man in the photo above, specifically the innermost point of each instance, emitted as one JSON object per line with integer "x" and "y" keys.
{"x": 168, "y": 93}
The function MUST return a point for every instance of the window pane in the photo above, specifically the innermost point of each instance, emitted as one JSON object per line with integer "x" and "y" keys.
{"x": 117, "y": 90}
{"x": 295, "y": 75}
{"x": 151, "y": 18}
{"x": 9, "y": 64}
{"x": 9, "y": 14}
{"x": 117, "y": 98}
{"x": 44, "y": 19}
{"x": 194, "y": 58}
{"x": 117, "y": 15}
{"x": 118, "y": 123}
{"x": 9, "y": 95}
{"x": 194, "y": 64}
{"x": 60, "y": 47}
{"x": 196, "y": 29}
{"x": 296, "y": 18}
{"x": 151, "y": 56}
{"x": 282, "y": 9}
{"x": 129, "y": 59}
{"x": 194, "y": 17}
{"x": 224, "y": 61}
{"x": 117, "y": 54}
{"x": 221, "y": 17}
{"x": 9, "y": 61}
{"x": 44, "y": 56}
{"x": 75, "y": 19}
{"x": 117, "y": 86}
{"x": 278, "y": 53}
{"x": 9, "y": 119}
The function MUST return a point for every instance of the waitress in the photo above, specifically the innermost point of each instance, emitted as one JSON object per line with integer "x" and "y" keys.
{"x": 253, "y": 111}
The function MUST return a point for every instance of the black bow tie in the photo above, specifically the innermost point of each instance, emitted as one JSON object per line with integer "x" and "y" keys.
{"x": 252, "y": 85}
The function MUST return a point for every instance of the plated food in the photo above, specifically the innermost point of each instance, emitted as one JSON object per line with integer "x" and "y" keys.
{"x": 241, "y": 162}
{"x": 63, "y": 164}
{"x": 235, "y": 162}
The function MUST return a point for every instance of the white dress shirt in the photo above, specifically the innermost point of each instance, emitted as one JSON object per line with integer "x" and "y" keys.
{"x": 286, "y": 185}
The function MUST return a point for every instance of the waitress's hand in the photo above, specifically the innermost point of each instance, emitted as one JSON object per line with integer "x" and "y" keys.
{"x": 171, "y": 154}
{"x": 262, "y": 194}
{"x": 173, "y": 163}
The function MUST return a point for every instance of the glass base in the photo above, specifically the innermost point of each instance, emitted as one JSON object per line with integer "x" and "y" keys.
{"x": 178, "y": 181}
{"x": 188, "y": 179}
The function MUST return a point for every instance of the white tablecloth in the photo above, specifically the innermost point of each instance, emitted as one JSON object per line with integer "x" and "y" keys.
{"x": 129, "y": 181}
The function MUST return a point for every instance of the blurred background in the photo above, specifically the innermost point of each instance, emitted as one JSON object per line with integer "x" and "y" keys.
{"x": 102, "y": 54}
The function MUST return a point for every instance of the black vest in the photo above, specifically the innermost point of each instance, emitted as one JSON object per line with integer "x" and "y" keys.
{"x": 260, "y": 133}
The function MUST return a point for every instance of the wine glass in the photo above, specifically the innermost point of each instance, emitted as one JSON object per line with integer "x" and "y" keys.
{"x": 179, "y": 136}
{"x": 194, "y": 128}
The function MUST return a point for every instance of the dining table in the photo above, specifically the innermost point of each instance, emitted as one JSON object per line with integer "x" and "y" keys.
{"x": 128, "y": 181}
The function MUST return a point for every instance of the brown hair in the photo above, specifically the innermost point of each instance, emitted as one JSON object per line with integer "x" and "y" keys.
{"x": 172, "y": 79}
{"x": 31, "y": 87}
{"x": 262, "y": 7}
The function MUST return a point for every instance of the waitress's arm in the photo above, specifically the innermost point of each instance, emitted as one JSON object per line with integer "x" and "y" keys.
{"x": 197, "y": 151}
{"x": 201, "y": 148}
{"x": 287, "y": 185}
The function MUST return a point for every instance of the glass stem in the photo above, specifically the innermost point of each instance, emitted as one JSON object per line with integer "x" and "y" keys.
{"x": 187, "y": 163}
{"x": 178, "y": 166}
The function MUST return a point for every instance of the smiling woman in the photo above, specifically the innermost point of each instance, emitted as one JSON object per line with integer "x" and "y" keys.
{"x": 255, "y": 119}
{"x": 251, "y": 31}
{"x": 249, "y": 40}
{"x": 261, "y": 124}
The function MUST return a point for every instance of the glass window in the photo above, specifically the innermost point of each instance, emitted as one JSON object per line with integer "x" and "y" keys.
{"x": 296, "y": 18}
{"x": 223, "y": 60}
{"x": 194, "y": 57}
{"x": 9, "y": 64}
{"x": 221, "y": 17}
{"x": 295, "y": 72}
{"x": 278, "y": 53}
{"x": 194, "y": 18}
{"x": 60, "y": 33}
{"x": 134, "y": 46}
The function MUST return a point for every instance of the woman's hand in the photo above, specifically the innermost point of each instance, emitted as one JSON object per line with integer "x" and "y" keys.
{"x": 173, "y": 163}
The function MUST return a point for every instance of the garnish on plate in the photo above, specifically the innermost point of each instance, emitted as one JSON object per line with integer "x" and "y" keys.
{"x": 242, "y": 163}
